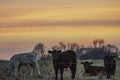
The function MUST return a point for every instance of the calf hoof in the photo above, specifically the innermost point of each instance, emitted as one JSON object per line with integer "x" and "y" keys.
{"x": 39, "y": 76}
{"x": 108, "y": 77}
{"x": 17, "y": 78}
{"x": 56, "y": 79}
{"x": 73, "y": 78}
{"x": 61, "y": 78}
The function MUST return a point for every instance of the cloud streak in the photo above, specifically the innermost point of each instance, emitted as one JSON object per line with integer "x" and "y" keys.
{"x": 63, "y": 23}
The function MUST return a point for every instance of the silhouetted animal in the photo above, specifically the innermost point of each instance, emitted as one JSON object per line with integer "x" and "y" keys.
{"x": 110, "y": 65}
{"x": 93, "y": 70}
{"x": 62, "y": 60}
{"x": 30, "y": 58}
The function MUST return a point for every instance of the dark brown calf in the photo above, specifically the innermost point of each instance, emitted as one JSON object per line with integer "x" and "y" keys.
{"x": 62, "y": 60}
{"x": 93, "y": 70}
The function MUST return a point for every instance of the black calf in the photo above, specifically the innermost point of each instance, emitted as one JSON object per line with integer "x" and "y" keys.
{"x": 93, "y": 70}
{"x": 62, "y": 60}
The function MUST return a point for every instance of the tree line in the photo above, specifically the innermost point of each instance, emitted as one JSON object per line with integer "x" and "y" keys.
{"x": 97, "y": 50}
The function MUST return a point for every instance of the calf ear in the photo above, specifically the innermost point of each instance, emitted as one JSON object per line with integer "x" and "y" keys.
{"x": 91, "y": 62}
{"x": 59, "y": 51}
{"x": 114, "y": 56}
{"x": 82, "y": 62}
{"x": 50, "y": 52}
{"x": 106, "y": 56}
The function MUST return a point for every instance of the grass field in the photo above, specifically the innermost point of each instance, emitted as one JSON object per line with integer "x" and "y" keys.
{"x": 47, "y": 72}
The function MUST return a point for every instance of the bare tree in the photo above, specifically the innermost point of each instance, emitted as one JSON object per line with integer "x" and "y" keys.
{"x": 55, "y": 47}
{"x": 40, "y": 47}
{"x": 95, "y": 43}
{"x": 101, "y": 42}
{"x": 62, "y": 45}
{"x": 98, "y": 43}
{"x": 111, "y": 49}
{"x": 73, "y": 46}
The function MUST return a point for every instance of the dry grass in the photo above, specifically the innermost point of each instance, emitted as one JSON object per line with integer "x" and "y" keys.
{"x": 47, "y": 72}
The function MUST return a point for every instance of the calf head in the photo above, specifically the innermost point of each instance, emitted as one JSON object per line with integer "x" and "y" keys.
{"x": 110, "y": 59}
{"x": 55, "y": 54}
{"x": 86, "y": 66}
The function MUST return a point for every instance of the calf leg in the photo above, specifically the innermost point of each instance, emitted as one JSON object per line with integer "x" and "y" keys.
{"x": 107, "y": 69}
{"x": 19, "y": 70}
{"x": 16, "y": 73}
{"x": 108, "y": 75}
{"x": 9, "y": 72}
{"x": 61, "y": 73}
{"x": 38, "y": 68}
{"x": 31, "y": 68}
{"x": 56, "y": 74}
{"x": 73, "y": 70}
{"x": 31, "y": 72}
{"x": 113, "y": 69}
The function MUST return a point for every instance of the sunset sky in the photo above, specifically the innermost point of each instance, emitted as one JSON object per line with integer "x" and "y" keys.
{"x": 24, "y": 23}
